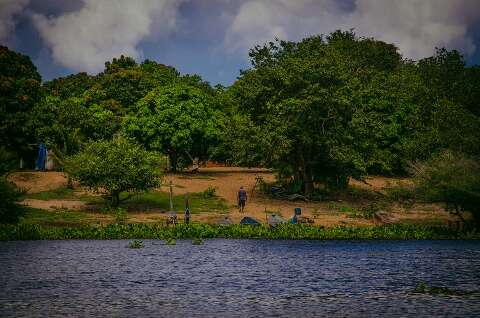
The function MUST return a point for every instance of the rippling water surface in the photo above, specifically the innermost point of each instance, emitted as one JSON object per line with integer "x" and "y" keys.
{"x": 237, "y": 278}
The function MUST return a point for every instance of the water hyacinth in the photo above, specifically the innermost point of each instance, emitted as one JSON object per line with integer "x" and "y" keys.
{"x": 195, "y": 231}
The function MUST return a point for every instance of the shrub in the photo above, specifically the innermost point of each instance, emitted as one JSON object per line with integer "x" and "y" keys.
{"x": 10, "y": 210}
{"x": 453, "y": 179}
{"x": 210, "y": 192}
{"x": 116, "y": 166}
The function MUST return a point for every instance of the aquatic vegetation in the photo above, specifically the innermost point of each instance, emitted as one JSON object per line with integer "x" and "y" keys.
{"x": 422, "y": 288}
{"x": 197, "y": 241}
{"x": 283, "y": 231}
{"x": 136, "y": 244}
{"x": 170, "y": 241}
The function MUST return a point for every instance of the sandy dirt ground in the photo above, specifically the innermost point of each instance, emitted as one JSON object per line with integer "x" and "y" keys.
{"x": 227, "y": 181}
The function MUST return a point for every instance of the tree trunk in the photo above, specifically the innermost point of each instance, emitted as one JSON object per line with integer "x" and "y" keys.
{"x": 173, "y": 161}
{"x": 308, "y": 182}
{"x": 305, "y": 174}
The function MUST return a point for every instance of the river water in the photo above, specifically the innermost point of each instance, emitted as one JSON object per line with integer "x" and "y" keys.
{"x": 237, "y": 278}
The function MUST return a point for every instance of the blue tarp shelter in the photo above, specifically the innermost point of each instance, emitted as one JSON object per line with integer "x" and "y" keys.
{"x": 42, "y": 156}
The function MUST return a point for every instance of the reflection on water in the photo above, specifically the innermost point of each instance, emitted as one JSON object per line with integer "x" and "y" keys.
{"x": 237, "y": 278}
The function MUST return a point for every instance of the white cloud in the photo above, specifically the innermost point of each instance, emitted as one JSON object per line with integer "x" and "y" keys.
{"x": 83, "y": 40}
{"x": 8, "y": 10}
{"x": 415, "y": 26}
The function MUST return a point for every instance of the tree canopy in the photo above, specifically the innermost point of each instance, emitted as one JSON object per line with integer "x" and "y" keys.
{"x": 116, "y": 166}
{"x": 19, "y": 92}
{"x": 178, "y": 120}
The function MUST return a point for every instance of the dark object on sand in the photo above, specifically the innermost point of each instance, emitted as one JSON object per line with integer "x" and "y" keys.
{"x": 249, "y": 221}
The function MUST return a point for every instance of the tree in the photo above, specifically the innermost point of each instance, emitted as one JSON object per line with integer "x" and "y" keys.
{"x": 453, "y": 179}
{"x": 70, "y": 86}
{"x": 299, "y": 98}
{"x": 19, "y": 92}
{"x": 175, "y": 119}
{"x": 116, "y": 166}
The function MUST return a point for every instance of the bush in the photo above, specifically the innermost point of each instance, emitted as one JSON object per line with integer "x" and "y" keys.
{"x": 10, "y": 210}
{"x": 116, "y": 166}
{"x": 210, "y": 192}
{"x": 453, "y": 179}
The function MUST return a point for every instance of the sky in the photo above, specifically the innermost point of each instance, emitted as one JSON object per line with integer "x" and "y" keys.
{"x": 212, "y": 37}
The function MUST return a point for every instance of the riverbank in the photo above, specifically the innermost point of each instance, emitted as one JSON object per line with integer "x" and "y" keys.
{"x": 296, "y": 232}
{"x": 212, "y": 196}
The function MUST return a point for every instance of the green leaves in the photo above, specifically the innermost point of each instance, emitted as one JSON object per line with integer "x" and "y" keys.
{"x": 116, "y": 166}
{"x": 175, "y": 119}
{"x": 450, "y": 178}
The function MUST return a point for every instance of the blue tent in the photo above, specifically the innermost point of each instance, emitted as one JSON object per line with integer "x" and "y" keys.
{"x": 42, "y": 156}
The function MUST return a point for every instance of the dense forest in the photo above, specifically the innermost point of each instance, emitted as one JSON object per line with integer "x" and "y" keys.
{"x": 318, "y": 111}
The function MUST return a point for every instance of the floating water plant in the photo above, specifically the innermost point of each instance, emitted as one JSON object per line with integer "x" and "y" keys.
{"x": 136, "y": 244}
{"x": 422, "y": 288}
{"x": 170, "y": 241}
{"x": 197, "y": 241}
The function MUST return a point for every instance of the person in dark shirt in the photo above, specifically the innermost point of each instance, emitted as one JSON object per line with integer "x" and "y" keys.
{"x": 242, "y": 199}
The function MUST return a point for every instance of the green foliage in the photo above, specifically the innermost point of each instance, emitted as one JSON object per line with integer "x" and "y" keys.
{"x": 210, "y": 192}
{"x": 422, "y": 288}
{"x": 119, "y": 215}
{"x": 55, "y": 194}
{"x": 175, "y": 119}
{"x": 283, "y": 231}
{"x": 453, "y": 179}
{"x": 197, "y": 241}
{"x": 170, "y": 241}
{"x": 56, "y": 217}
{"x": 298, "y": 102}
{"x": 10, "y": 210}
{"x": 116, "y": 166}
{"x": 70, "y": 86}
{"x": 136, "y": 244}
{"x": 400, "y": 192}
{"x": 19, "y": 91}
{"x": 7, "y": 162}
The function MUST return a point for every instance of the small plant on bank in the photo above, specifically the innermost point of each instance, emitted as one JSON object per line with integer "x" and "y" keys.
{"x": 210, "y": 192}
{"x": 136, "y": 244}
{"x": 120, "y": 215}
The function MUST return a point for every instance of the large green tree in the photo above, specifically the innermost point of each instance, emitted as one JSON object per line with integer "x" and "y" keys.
{"x": 178, "y": 120}
{"x": 19, "y": 92}
{"x": 297, "y": 103}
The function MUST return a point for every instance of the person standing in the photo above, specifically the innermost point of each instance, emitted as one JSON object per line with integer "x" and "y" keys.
{"x": 242, "y": 199}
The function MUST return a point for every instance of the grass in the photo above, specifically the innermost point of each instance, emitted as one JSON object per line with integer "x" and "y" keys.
{"x": 56, "y": 194}
{"x": 195, "y": 231}
{"x": 199, "y": 202}
{"x": 57, "y": 217}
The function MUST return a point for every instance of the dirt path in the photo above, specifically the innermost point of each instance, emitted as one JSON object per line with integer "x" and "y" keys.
{"x": 55, "y": 204}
